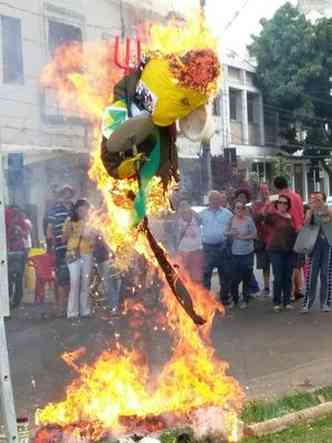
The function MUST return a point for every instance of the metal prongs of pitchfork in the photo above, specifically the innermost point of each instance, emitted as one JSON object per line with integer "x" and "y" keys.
{"x": 126, "y": 65}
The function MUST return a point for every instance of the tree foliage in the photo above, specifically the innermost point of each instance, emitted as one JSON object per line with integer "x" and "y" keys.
{"x": 294, "y": 69}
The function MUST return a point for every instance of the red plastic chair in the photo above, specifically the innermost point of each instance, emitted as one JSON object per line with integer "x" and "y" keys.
{"x": 44, "y": 266}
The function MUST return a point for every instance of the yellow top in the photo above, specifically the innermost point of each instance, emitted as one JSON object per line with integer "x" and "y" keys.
{"x": 73, "y": 230}
{"x": 172, "y": 101}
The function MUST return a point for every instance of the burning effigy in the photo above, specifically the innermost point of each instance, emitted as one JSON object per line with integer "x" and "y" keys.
{"x": 133, "y": 108}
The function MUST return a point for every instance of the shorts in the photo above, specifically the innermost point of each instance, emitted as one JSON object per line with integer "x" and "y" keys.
{"x": 61, "y": 270}
{"x": 263, "y": 261}
{"x": 299, "y": 261}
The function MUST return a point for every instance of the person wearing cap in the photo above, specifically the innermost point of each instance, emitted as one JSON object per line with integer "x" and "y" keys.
{"x": 56, "y": 220}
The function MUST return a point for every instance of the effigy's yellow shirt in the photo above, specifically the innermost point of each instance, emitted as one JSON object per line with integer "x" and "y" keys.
{"x": 86, "y": 244}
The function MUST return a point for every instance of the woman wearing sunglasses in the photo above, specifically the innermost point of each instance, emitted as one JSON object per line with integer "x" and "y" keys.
{"x": 280, "y": 241}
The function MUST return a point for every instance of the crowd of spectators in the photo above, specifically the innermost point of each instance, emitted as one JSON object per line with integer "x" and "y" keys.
{"x": 237, "y": 237}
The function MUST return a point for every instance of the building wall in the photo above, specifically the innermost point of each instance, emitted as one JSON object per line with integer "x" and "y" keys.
{"x": 23, "y": 127}
{"x": 323, "y": 7}
{"x": 21, "y": 110}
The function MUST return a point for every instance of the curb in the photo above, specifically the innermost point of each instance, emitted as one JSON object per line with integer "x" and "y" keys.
{"x": 284, "y": 422}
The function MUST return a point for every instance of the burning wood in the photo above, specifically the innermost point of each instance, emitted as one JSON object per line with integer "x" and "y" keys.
{"x": 174, "y": 280}
{"x": 207, "y": 422}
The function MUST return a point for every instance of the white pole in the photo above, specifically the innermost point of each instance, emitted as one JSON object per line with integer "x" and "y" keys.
{"x": 6, "y": 391}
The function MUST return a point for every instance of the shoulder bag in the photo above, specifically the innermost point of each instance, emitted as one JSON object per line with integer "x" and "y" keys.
{"x": 306, "y": 238}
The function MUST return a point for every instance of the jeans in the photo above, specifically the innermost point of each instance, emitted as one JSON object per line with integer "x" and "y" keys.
{"x": 242, "y": 271}
{"x": 78, "y": 301}
{"x": 282, "y": 267}
{"x": 111, "y": 283}
{"x": 320, "y": 262}
{"x": 214, "y": 258}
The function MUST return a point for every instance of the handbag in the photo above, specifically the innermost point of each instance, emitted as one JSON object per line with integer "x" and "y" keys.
{"x": 306, "y": 238}
{"x": 259, "y": 245}
{"x": 72, "y": 256}
{"x": 101, "y": 251}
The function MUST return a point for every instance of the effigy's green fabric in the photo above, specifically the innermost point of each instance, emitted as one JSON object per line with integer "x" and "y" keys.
{"x": 146, "y": 173}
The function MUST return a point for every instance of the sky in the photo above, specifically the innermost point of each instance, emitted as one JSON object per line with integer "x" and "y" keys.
{"x": 237, "y": 36}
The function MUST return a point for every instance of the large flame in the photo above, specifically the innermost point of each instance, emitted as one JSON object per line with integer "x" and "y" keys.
{"x": 119, "y": 385}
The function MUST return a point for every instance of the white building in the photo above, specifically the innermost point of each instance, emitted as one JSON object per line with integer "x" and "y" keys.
{"x": 252, "y": 131}
{"x": 239, "y": 120}
{"x": 315, "y": 8}
{"x": 32, "y": 122}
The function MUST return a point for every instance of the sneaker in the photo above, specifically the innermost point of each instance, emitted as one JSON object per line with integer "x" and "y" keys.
{"x": 244, "y": 305}
{"x": 326, "y": 308}
{"x": 289, "y": 307}
{"x": 277, "y": 308}
{"x": 304, "y": 310}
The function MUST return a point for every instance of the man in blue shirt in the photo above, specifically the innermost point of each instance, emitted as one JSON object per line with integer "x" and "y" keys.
{"x": 56, "y": 219}
{"x": 214, "y": 221}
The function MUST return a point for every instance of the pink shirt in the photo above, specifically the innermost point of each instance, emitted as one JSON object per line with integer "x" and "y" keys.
{"x": 296, "y": 211}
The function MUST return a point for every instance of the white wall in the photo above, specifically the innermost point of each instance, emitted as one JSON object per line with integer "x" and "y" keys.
{"x": 20, "y": 104}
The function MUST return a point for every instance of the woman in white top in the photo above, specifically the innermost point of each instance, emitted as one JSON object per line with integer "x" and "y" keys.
{"x": 189, "y": 242}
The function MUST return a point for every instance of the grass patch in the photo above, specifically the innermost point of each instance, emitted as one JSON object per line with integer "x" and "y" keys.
{"x": 257, "y": 411}
{"x": 319, "y": 431}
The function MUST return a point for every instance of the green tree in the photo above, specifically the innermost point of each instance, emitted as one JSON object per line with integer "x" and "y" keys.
{"x": 294, "y": 68}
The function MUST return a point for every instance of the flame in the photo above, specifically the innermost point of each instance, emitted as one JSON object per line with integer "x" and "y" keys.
{"x": 83, "y": 77}
{"x": 179, "y": 36}
{"x": 119, "y": 387}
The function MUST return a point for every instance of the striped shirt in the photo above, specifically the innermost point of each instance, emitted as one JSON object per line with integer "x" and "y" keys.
{"x": 57, "y": 217}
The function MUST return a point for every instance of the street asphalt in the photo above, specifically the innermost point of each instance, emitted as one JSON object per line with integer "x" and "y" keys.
{"x": 269, "y": 353}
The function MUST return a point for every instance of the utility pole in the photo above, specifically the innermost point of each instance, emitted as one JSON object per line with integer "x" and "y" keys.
{"x": 122, "y": 21}
{"x": 205, "y": 146}
{"x": 7, "y": 406}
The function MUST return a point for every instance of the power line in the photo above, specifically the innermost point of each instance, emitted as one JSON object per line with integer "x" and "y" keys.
{"x": 278, "y": 108}
{"x": 235, "y": 16}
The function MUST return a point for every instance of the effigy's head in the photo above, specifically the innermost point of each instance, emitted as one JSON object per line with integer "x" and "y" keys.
{"x": 173, "y": 86}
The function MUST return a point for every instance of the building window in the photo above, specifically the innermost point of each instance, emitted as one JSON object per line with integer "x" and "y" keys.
{"x": 250, "y": 78}
{"x": 12, "y": 50}
{"x": 258, "y": 168}
{"x": 252, "y": 103}
{"x": 234, "y": 73}
{"x": 233, "y": 104}
{"x": 61, "y": 33}
{"x": 216, "y": 106}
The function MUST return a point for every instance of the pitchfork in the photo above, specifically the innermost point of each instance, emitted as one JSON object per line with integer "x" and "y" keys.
{"x": 126, "y": 65}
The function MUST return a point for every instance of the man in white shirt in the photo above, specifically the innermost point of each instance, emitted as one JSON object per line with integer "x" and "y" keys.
{"x": 214, "y": 221}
